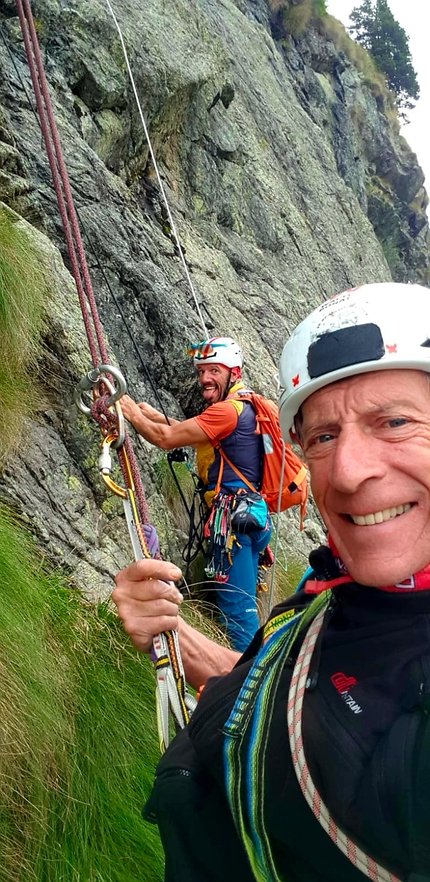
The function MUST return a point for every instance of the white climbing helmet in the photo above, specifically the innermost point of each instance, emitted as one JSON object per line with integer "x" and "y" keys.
{"x": 369, "y": 328}
{"x": 218, "y": 350}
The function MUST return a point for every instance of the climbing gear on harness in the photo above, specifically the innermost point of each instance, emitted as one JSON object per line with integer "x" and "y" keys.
{"x": 233, "y": 512}
{"x": 106, "y": 408}
{"x": 266, "y": 560}
{"x": 284, "y": 481}
{"x": 355, "y": 332}
{"x": 218, "y": 530}
{"x": 218, "y": 350}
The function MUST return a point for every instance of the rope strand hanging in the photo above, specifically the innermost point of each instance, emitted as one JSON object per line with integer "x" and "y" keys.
{"x": 172, "y": 694}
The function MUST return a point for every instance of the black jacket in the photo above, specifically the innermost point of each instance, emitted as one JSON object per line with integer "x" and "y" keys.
{"x": 367, "y": 743}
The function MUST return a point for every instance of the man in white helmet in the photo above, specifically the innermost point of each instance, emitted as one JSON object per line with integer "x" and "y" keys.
{"x": 226, "y": 428}
{"x": 310, "y": 760}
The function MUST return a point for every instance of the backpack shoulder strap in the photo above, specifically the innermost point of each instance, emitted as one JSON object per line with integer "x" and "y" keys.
{"x": 224, "y": 458}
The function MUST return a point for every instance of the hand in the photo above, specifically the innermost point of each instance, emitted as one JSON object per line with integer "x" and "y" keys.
{"x": 129, "y": 408}
{"x": 146, "y": 604}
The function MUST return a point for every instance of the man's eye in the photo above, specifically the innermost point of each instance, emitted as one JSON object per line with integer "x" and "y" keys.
{"x": 396, "y": 422}
{"x": 324, "y": 438}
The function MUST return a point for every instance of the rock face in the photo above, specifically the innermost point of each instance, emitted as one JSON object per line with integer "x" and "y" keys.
{"x": 286, "y": 181}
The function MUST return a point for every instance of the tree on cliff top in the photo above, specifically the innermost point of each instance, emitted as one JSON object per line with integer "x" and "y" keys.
{"x": 375, "y": 27}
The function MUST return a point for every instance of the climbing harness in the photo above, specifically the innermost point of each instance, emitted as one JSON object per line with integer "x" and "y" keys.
{"x": 100, "y": 381}
{"x": 232, "y": 515}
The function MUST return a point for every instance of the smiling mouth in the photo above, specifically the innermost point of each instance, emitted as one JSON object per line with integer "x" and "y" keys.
{"x": 380, "y": 517}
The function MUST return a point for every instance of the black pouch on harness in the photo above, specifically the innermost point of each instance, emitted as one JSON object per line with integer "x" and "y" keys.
{"x": 249, "y": 514}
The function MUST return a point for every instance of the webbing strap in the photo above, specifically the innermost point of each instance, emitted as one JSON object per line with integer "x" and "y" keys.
{"x": 224, "y": 458}
{"x": 250, "y": 722}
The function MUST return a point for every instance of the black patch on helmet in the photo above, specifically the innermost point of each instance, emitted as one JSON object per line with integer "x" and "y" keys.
{"x": 345, "y": 347}
{"x": 426, "y": 343}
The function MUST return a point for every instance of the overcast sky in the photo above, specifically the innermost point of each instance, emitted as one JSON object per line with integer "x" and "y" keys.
{"x": 414, "y": 17}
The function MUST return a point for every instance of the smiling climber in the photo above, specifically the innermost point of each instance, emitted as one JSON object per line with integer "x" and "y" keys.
{"x": 309, "y": 761}
{"x": 225, "y": 438}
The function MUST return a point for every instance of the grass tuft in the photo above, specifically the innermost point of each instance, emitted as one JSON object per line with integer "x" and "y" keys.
{"x": 23, "y": 292}
{"x": 78, "y": 744}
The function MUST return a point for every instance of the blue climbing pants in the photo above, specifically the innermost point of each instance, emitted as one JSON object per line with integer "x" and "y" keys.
{"x": 237, "y": 597}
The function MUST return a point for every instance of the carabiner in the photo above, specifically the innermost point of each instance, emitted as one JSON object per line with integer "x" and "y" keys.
{"x": 93, "y": 379}
{"x": 105, "y": 465}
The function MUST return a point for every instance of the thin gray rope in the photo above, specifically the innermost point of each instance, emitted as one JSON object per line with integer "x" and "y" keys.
{"x": 154, "y": 162}
{"x": 278, "y": 526}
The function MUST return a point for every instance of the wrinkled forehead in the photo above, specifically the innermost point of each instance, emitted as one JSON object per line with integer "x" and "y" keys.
{"x": 368, "y": 389}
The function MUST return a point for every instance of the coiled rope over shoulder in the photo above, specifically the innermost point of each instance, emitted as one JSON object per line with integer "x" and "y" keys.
{"x": 246, "y": 740}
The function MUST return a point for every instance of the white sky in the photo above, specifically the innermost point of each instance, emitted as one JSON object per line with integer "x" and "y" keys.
{"x": 414, "y": 17}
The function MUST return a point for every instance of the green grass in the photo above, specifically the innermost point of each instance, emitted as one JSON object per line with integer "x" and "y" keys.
{"x": 23, "y": 291}
{"x": 78, "y": 743}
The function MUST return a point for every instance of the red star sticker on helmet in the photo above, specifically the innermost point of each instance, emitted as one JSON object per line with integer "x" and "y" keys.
{"x": 392, "y": 349}
{"x": 296, "y": 380}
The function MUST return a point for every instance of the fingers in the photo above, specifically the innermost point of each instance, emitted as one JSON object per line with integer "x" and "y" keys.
{"x": 142, "y": 570}
{"x": 147, "y": 600}
{"x": 127, "y": 406}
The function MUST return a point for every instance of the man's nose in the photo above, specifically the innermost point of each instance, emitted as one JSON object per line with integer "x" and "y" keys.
{"x": 357, "y": 458}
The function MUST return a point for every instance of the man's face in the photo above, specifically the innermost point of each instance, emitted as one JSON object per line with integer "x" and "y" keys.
{"x": 214, "y": 380}
{"x": 367, "y": 442}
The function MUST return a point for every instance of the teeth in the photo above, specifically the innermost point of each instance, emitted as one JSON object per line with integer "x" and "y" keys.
{"x": 379, "y": 516}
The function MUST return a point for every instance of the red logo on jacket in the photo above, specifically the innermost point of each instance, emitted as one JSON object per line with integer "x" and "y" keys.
{"x": 342, "y": 683}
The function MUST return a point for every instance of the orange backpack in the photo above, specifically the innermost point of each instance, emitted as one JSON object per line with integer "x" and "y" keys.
{"x": 294, "y": 483}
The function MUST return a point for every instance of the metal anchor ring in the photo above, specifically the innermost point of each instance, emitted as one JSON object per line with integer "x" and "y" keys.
{"x": 93, "y": 379}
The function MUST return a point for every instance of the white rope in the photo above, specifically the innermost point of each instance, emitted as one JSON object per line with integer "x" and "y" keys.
{"x": 154, "y": 162}
{"x": 350, "y": 849}
{"x": 278, "y": 526}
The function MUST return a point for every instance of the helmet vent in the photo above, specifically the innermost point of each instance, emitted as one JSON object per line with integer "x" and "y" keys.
{"x": 345, "y": 347}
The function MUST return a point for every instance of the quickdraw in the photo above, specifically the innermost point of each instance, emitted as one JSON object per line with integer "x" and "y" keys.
{"x": 221, "y": 537}
{"x": 172, "y": 694}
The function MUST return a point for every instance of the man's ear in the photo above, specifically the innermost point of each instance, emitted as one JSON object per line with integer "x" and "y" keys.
{"x": 236, "y": 374}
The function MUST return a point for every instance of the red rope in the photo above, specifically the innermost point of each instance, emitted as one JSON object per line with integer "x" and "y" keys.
{"x": 99, "y": 353}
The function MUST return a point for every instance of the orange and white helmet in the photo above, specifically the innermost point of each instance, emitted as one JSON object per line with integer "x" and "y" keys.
{"x": 218, "y": 350}
{"x": 370, "y": 328}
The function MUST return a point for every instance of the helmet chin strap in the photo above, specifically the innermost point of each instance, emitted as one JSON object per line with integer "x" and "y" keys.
{"x": 228, "y": 386}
